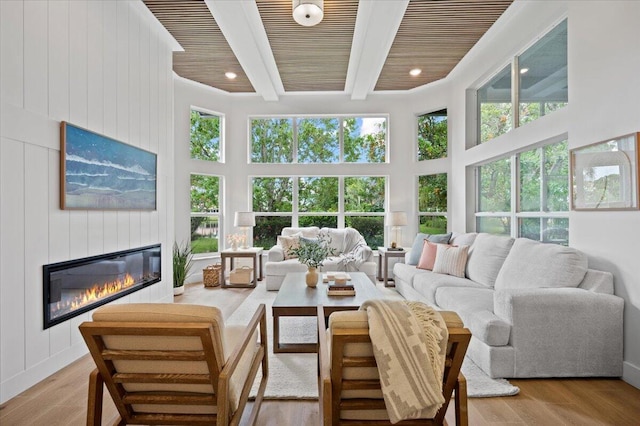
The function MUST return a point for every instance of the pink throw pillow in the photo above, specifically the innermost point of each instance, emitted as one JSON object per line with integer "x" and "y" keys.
{"x": 428, "y": 256}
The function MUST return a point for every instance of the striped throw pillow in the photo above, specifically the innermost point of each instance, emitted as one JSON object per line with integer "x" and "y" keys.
{"x": 451, "y": 260}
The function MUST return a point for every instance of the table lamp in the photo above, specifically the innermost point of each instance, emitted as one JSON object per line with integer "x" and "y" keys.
{"x": 396, "y": 220}
{"x": 244, "y": 221}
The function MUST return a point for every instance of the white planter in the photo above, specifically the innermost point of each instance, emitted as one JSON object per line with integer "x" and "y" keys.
{"x": 178, "y": 290}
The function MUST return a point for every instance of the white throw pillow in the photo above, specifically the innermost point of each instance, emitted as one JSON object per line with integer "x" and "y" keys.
{"x": 451, "y": 260}
{"x": 289, "y": 243}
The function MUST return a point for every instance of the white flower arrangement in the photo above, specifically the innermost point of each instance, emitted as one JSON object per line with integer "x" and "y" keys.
{"x": 236, "y": 239}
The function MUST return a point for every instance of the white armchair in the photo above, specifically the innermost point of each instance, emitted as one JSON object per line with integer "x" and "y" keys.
{"x": 351, "y": 254}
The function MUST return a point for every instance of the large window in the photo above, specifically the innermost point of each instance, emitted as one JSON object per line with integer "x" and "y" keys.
{"x": 205, "y": 213}
{"x": 540, "y": 88}
{"x": 205, "y": 136}
{"x": 319, "y": 140}
{"x": 432, "y": 203}
{"x": 526, "y": 195}
{"x": 356, "y": 201}
{"x": 432, "y": 135}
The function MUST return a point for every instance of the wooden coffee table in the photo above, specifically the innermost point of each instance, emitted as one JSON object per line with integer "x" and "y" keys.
{"x": 295, "y": 299}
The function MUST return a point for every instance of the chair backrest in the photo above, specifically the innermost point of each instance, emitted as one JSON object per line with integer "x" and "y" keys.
{"x": 162, "y": 362}
{"x": 350, "y": 388}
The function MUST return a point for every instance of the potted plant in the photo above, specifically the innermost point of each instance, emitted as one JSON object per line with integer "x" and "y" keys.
{"x": 182, "y": 263}
{"x": 312, "y": 252}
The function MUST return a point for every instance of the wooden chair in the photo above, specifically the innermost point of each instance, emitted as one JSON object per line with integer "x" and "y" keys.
{"x": 174, "y": 364}
{"x": 349, "y": 384}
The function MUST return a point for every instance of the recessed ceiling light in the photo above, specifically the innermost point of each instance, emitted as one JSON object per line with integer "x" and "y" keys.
{"x": 524, "y": 70}
{"x": 415, "y": 72}
{"x": 230, "y": 75}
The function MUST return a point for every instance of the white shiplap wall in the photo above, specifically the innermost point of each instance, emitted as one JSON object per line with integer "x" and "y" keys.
{"x": 102, "y": 65}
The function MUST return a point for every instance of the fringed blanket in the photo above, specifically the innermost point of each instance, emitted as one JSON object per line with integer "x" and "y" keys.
{"x": 409, "y": 344}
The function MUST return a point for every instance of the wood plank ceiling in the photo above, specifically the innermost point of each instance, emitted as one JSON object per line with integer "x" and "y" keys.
{"x": 433, "y": 35}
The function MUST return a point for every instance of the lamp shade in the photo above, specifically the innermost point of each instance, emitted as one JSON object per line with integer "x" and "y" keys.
{"x": 244, "y": 219}
{"x": 397, "y": 218}
{"x": 308, "y": 12}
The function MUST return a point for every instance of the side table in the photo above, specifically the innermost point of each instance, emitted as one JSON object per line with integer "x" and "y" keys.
{"x": 253, "y": 252}
{"x": 383, "y": 259}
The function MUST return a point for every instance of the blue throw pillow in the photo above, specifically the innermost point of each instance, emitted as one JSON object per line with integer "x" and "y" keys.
{"x": 416, "y": 248}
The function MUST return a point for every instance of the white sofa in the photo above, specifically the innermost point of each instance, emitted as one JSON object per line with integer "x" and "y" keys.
{"x": 534, "y": 309}
{"x": 351, "y": 254}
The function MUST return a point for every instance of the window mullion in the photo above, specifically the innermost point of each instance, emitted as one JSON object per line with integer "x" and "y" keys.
{"x": 515, "y": 193}
{"x": 515, "y": 91}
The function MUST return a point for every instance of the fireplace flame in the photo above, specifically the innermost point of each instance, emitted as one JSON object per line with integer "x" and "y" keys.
{"x": 87, "y": 296}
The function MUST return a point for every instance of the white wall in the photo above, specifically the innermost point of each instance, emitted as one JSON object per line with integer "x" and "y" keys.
{"x": 236, "y": 171}
{"x": 604, "y": 86}
{"x": 105, "y": 66}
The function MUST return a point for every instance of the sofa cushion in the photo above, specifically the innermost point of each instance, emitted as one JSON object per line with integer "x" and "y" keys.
{"x": 428, "y": 256}
{"x": 406, "y": 272}
{"x": 426, "y": 283}
{"x": 416, "y": 249}
{"x": 289, "y": 243}
{"x": 532, "y": 264}
{"x": 475, "y": 307}
{"x": 486, "y": 256}
{"x": 451, "y": 260}
{"x": 309, "y": 231}
{"x": 467, "y": 239}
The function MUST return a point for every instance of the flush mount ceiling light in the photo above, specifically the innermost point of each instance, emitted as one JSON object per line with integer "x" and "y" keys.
{"x": 415, "y": 72}
{"x": 524, "y": 70}
{"x": 308, "y": 12}
{"x": 230, "y": 75}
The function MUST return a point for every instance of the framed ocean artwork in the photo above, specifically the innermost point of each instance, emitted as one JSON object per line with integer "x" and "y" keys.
{"x": 100, "y": 173}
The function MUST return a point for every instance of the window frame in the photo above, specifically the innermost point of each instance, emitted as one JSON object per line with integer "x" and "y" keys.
{"x": 221, "y": 131}
{"x": 341, "y": 132}
{"x": 217, "y": 214}
{"x": 515, "y": 214}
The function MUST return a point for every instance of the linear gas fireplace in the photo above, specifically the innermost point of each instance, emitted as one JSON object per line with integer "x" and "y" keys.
{"x": 77, "y": 286}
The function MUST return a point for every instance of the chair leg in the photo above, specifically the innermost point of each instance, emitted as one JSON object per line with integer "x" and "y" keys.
{"x": 94, "y": 400}
{"x": 462, "y": 416}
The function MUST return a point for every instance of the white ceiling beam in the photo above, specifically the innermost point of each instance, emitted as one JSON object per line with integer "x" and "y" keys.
{"x": 376, "y": 26}
{"x": 241, "y": 25}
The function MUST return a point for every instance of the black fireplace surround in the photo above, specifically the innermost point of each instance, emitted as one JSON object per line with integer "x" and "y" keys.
{"x": 77, "y": 286}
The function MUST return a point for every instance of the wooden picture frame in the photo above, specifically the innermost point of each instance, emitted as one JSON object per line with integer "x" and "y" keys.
{"x": 605, "y": 175}
{"x": 100, "y": 173}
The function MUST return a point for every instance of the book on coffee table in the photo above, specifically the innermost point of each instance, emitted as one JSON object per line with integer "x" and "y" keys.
{"x": 341, "y": 292}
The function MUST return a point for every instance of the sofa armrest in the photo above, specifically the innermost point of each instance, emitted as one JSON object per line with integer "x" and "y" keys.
{"x": 563, "y": 331}
{"x": 275, "y": 254}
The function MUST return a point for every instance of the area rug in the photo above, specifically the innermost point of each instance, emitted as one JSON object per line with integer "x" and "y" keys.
{"x": 294, "y": 376}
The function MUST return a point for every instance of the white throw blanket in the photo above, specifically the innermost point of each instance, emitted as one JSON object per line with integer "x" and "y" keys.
{"x": 355, "y": 251}
{"x": 409, "y": 344}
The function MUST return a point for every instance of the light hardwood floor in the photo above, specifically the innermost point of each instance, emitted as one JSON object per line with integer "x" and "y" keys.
{"x": 61, "y": 398}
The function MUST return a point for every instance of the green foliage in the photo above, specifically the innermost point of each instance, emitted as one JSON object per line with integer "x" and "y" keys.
{"x": 205, "y": 136}
{"x": 204, "y": 245}
{"x": 272, "y": 140}
{"x": 318, "y": 140}
{"x": 433, "y": 224}
{"x": 370, "y": 227}
{"x": 182, "y": 263}
{"x": 432, "y": 135}
{"x": 367, "y": 148}
{"x": 318, "y": 194}
{"x": 495, "y": 119}
{"x": 495, "y": 186}
{"x": 313, "y": 251}
{"x": 268, "y": 228}
{"x": 432, "y": 193}
{"x": 319, "y": 221}
{"x": 272, "y": 194}
{"x": 205, "y": 192}
{"x": 364, "y": 194}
